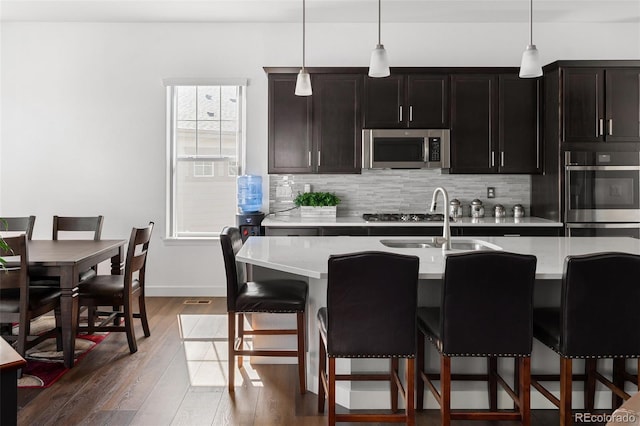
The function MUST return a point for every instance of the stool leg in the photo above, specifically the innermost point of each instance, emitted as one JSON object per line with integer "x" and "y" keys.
{"x": 524, "y": 389}
{"x": 231, "y": 320}
{"x": 618, "y": 380}
{"x": 302, "y": 355}
{"x": 590, "y": 368}
{"x": 332, "y": 391}
{"x": 565, "y": 392}
{"x": 492, "y": 371}
{"x": 240, "y": 328}
{"x": 409, "y": 393}
{"x": 445, "y": 390}
{"x": 516, "y": 378}
{"x": 638, "y": 375}
{"x": 393, "y": 385}
{"x": 322, "y": 371}
{"x": 419, "y": 370}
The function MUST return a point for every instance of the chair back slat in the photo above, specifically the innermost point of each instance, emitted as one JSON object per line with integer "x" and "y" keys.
{"x": 16, "y": 274}
{"x": 18, "y": 224}
{"x": 76, "y": 224}
{"x": 487, "y": 303}
{"x": 236, "y": 272}
{"x": 371, "y": 304}
{"x": 136, "y": 260}
{"x": 600, "y": 299}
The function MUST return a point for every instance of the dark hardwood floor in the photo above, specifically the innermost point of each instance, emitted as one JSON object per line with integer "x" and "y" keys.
{"x": 178, "y": 377}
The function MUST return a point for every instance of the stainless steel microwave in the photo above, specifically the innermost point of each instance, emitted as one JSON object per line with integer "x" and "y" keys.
{"x": 405, "y": 149}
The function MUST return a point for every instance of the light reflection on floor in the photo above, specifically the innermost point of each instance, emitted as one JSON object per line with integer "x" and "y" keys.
{"x": 205, "y": 343}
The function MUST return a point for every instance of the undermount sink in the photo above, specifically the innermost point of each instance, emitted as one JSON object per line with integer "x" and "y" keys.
{"x": 438, "y": 242}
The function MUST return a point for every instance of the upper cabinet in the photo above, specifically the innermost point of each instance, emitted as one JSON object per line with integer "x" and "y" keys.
{"x": 600, "y": 104}
{"x": 321, "y": 133}
{"x": 406, "y": 101}
{"x": 494, "y": 124}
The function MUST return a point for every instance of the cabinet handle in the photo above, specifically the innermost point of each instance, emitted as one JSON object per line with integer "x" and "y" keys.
{"x": 611, "y": 126}
{"x": 601, "y": 121}
{"x": 501, "y": 158}
{"x": 410, "y": 112}
{"x": 493, "y": 155}
{"x": 309, "y": 158}
{"x": 400, "y": 114}
{"x": 318, "y": 158}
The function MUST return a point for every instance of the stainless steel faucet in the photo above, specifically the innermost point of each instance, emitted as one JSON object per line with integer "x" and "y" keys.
{"x": 446, "y": 229}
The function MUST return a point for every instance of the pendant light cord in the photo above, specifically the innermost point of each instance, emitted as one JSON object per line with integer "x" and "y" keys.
{"x": 530, "y": 22}
{"x": 379, "y": 27}
{"x": 303, "y": 32}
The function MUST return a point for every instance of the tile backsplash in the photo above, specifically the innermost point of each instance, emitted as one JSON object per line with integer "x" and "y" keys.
{"x": 394, "y": 191}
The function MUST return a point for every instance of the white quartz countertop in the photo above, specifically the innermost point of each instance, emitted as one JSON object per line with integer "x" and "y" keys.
{"x": 307, "y": 256}
{"x": 274, "y": 221}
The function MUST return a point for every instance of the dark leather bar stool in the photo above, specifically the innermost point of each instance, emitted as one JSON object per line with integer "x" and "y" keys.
{"x": 598, "y": 318}
{"x": 370, "y": 313}
{"x": 486, "y": 311}
{"x": 269, "y": 296}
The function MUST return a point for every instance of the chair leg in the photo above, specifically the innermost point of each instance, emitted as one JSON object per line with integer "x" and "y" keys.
{"x": 231, "y": 320}
{"x": 332, "y": 391}
{"x": 445, "y": 390}
{"x": 128, "y": 326}
{"x": 91, "y": 318}
{"x": 240, "y": 331}
{"x": 58, "y": 316}
{"x": 565, "y": 392}
{"x": 590, "y": 368}
{"x": 409, "y": 391}
{"x": 322, "y": 371}
{"x": 492, "y": 382}
{"x": 142, "y": 308}
{"x": 420, "y": 369}
{"x": 302, "y": 355}
{"x": 618, "y": 381}
{"x": 394, "y": 367}
{"x": 524, "y": 389}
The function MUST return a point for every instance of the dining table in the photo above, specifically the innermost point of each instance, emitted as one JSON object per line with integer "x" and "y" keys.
{"x": 66, "y": 259}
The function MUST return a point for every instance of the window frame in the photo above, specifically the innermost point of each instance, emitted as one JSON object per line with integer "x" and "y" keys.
{"x": 172, "y": 159}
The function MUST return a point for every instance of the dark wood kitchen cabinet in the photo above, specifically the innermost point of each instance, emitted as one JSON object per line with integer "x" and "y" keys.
{"x": 600, "y": 104}
{"x": 407, "y": 101}
{"x": 494, "y": 124}
{"x": 321, "y": 133}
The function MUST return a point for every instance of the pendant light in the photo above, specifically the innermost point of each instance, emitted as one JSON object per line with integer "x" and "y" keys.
{"x": 530, "y": 66}
{"x": 303, "y": 83}
{"x": 379, "y": 64}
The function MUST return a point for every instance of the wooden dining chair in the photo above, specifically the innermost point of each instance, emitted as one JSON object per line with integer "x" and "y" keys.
{"x": 121, "y": 291}
{"x": 20, "y": 303}
{"x": 75, "y": 225}
{"x": 18, "y": 224}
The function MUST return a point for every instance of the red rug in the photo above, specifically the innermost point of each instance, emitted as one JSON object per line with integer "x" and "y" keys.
{"x": 45, "y": 367}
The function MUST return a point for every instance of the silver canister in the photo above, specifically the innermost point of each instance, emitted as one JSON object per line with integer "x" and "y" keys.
{"x": 518, "y": 211}
{"x": 499, "y": 211}
{"x": 455, "y": 208}
{"x": 477, "y": 210}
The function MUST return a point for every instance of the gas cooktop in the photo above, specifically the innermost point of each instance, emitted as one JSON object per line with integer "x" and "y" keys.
{"x": 403, "y": 217}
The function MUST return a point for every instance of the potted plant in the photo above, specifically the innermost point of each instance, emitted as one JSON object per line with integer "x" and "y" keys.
{"x": 317, "y": 204}
{"x": 3, "y": 247}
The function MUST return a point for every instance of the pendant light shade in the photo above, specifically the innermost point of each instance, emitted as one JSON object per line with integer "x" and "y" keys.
{"x": 530, "y": 66}
{"x": 379, "y": 63}
{"x": 303, "y": 82}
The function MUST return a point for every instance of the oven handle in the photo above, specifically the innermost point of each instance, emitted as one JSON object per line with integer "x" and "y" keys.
{"x": 603, "y": 225}
{"x": 604, "y": 168}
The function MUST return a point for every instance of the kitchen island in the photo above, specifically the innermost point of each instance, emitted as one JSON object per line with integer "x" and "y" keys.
{"x": 307, "y": 257}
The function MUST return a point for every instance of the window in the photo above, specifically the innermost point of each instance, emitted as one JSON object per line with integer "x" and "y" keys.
{"x": 206, "y": 129}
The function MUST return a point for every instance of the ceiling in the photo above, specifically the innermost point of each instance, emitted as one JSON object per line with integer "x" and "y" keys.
{"x": 236, "y": 11}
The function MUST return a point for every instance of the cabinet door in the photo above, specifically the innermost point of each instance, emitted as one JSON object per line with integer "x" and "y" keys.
{"x": 518, "y": 136}
{"x": 428, "y": 101}
{"x": 472, "y": 124}
{"x": 583, "y": 105}
{"x": 383, "y": 108}
{"x": 337, "y": 123}
{"x": 289, "y": 127}
{"x": 622, "y": 105}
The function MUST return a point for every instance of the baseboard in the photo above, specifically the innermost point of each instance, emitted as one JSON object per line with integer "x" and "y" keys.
{"x": 185, "y": 291}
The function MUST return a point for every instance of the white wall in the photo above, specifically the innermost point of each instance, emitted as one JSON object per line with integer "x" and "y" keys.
{"x": 83, "y": 107}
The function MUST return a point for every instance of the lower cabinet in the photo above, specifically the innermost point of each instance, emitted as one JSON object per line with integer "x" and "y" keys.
{"x": 414, "y": 231}
{"x": 507, "y": 231}
{"x": 293, "y": 232}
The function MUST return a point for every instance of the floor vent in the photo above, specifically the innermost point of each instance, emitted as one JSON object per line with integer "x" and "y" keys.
{"x": 197, "y": 302}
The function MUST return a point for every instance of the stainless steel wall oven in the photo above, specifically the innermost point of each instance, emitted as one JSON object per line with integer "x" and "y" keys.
{"x": 602, "y": 193}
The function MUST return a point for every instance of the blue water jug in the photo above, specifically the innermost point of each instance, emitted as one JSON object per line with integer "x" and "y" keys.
{"x": 249, "y": 193}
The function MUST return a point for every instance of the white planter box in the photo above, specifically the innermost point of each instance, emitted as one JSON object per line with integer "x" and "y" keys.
{"x": 309, "y": 211}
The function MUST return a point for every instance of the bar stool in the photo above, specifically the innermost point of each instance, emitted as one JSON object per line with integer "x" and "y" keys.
{"x": 485, "y": 311}
{"x": 598, "y": 318}
{"x": 370, "y": 313}
{"x": 271, "y": 296}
